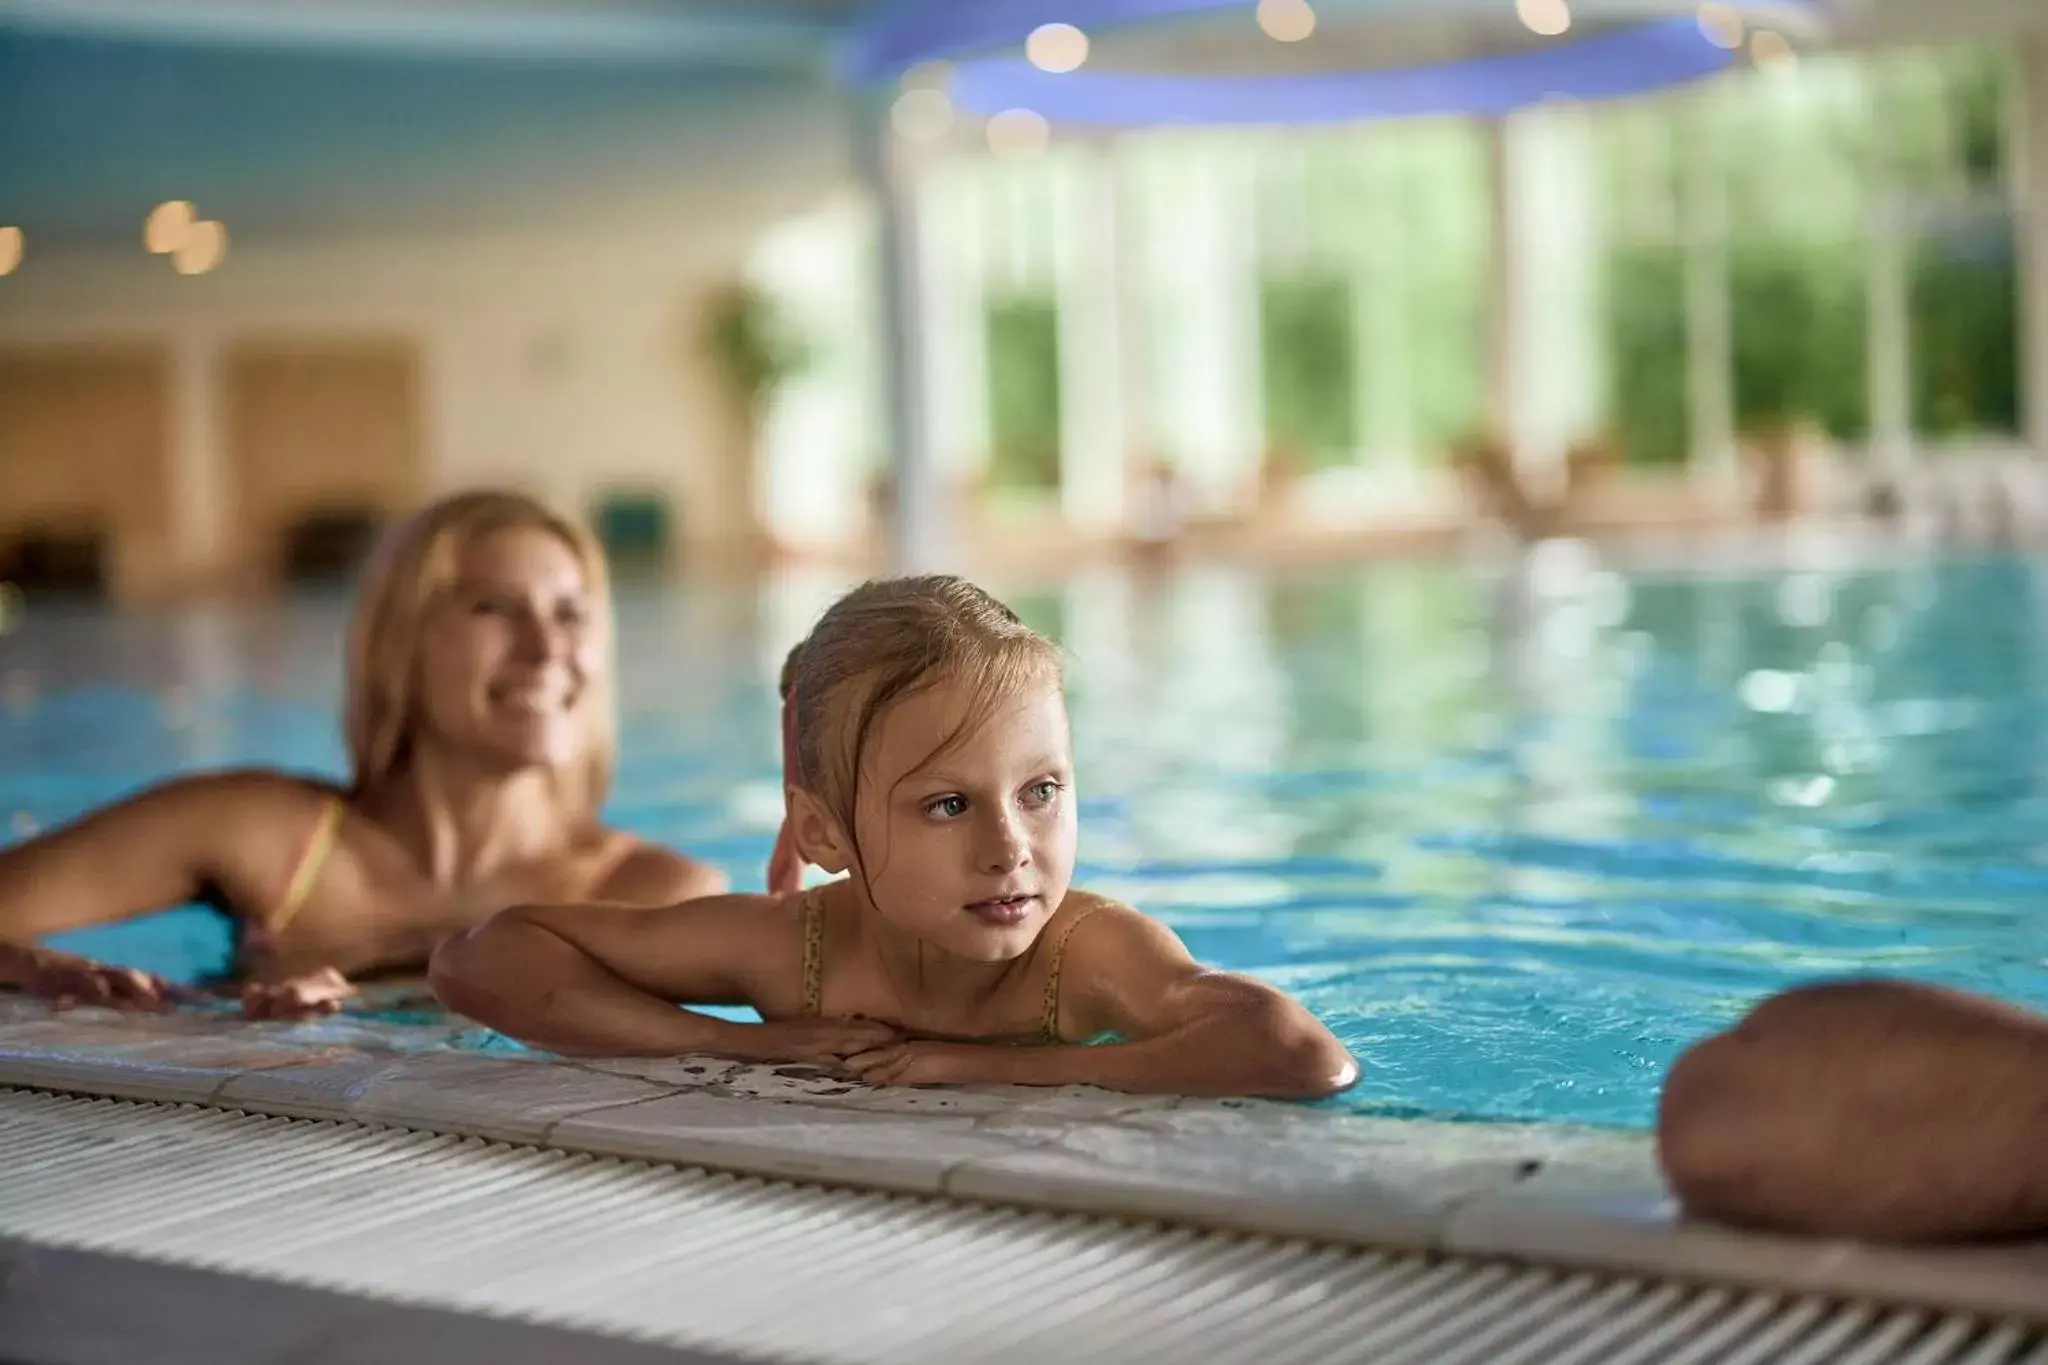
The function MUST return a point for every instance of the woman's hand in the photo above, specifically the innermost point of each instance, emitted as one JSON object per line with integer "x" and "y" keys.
{"x": 65, "y": 979}
{"x": 785, "y": 864}
{"x": 926, "y": 1063}
{"x": 307, "y": 996}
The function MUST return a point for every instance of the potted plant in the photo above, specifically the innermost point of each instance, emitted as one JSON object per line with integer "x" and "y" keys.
{"x": 756, "y": 350}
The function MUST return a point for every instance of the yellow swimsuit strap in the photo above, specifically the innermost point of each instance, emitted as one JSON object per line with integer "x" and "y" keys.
{"x": 814, "y": 955}
{"x": 311, "y": 861}
{"x": 1049, "y": 1021}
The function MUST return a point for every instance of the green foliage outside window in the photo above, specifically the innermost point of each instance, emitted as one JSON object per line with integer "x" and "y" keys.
{"x": 1306, "y": 339}
{"x": 1646, "y": 332}
{"x": 1024, "y": 393}
{"x": 1965, "y": 329}
{"x": 1799, "y": 318}
{"x": 1807, "y": 164}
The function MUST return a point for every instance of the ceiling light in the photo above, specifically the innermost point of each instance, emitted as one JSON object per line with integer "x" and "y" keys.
{"x": 1547, "y": 18}
{"x": 1018, "y": 131}
{"x": 924, "y": 114}
{"x": 165, "y": 227}
{"x": 205, "y": 244}
{"x": 1287, "y": 21}
{"x": 1771, "y": 49}
{"x": 1056, "y": 48}
{"x": 1722, "y": 24}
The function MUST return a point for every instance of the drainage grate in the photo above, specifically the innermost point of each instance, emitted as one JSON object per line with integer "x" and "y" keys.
{"x": 782, "y": 1272}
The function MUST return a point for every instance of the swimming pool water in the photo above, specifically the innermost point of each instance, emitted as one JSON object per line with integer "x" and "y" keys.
{"x": 1516, "y": 838}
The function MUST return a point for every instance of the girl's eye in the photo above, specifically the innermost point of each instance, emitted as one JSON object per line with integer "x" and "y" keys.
{"x": 489, "y": 606}
{"x": 572, "y": 614}
{"x": 947, "y": 807}
{"x": 1044, "y": 793}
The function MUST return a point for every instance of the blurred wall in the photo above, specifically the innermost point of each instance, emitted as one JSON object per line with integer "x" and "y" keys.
{"x": 540, "y": 243}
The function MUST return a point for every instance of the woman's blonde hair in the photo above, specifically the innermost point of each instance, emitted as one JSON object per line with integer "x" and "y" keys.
{"x": 886, "y": 641}
{"x": 417, "y": 561}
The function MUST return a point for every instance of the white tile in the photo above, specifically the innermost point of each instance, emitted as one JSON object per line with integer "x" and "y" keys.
{"x": 1220, "y": 1189}
{"x": 41, "y": 1024}
{"x": 189, "y": 1067}
{"x": 324, "y": 1084}
{"x": 511, "y": 1100}
{"x": 804, "y": 1084}
{"x": 792, "y": 1140}
{"x": 1623, "y": 1219}
{"x": 1283, "y": 1168}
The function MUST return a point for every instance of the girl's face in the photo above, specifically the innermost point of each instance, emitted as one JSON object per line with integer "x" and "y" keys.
{"x": 512, "y": 659}
{"x": 971, "y": 849}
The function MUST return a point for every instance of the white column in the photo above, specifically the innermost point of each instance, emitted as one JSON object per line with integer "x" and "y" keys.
{"x": 1134, "y": 320}
{"x": 919, "y": 534}
{"x": 1888, "y": 355}
{"x": 1206, "y": 275}
{"x": 1504, "y": 324}
{"x": 1888, "y": 341}
{"x": 956, "y": 320}
{"x": 199, "y": 532}
{"x": 2031, "y": 193}
{"x": 1544, "y": 341}
{"x": 818, "y": 436}
{"x": 1709, "y": 307}
{"x": 1382, "y": 379}
{"x": 1085, "y": 260}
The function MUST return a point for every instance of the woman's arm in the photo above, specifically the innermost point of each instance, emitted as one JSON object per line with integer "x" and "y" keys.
{"x": 1188, "y": 1030}
{"x": 149, "y": 852}
{"x": 603, "y": 980}
{"x": 1878, "y": 1109}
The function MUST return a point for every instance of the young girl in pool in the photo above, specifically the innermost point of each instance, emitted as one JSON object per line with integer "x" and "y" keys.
{"x": 927, "y": 759}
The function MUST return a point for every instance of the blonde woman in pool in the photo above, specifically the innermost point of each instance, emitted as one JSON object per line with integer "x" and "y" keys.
{"x": 928, "y": 761}
{"x": 480, "y": 727}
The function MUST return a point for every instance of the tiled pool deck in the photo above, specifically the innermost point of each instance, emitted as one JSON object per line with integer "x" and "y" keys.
{"x": 1543, "y": 1192}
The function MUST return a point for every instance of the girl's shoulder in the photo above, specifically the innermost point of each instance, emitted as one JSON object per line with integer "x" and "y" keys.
{"x": 1107, "y": 932}
{"x": 1080, "y": 905}
{"x": 1085, "y": 907}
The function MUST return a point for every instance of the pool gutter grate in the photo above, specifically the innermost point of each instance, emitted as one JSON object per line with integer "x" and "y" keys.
{"x": 774, "y": 1271}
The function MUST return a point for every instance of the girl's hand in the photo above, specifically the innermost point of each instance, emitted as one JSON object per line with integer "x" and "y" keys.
{"x": 297, "y": 997}
{"x": 65, "y": 979}
{"x": 923, "y": 1063}
{"x": 823, "y": 1041}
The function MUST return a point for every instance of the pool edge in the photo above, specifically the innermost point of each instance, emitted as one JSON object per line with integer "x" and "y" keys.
{"x": 1530, "y": 1192}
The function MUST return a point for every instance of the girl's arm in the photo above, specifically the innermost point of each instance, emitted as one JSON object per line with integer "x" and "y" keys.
{"x": 1186, "y": 1030}
{"x": 603, "y": 980}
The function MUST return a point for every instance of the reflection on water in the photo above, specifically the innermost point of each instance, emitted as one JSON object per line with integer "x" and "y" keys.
{"x": 1517, "y": 837}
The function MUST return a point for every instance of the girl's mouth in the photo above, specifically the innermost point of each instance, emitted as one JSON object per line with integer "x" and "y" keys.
{"x": 1003, "y": 912}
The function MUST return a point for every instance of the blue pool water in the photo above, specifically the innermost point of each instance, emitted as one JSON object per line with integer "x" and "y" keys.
{"x": 1516, "y": 839}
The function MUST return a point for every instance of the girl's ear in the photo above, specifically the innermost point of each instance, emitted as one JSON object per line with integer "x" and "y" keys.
{"x": 818, "y": 834}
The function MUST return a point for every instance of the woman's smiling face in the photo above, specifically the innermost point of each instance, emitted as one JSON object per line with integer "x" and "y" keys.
{"x": 512, "y": 661}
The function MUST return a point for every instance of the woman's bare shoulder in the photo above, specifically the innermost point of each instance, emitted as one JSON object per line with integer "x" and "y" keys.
{"x": 646, "y": 873}
{"x": 244, "y": 795}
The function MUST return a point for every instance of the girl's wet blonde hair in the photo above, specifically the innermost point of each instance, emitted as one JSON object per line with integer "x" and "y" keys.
{"x": 886, "y": 641}
{"x": 417, "y": 561}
